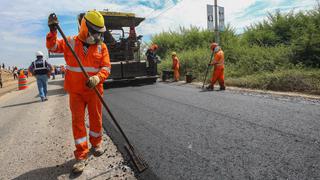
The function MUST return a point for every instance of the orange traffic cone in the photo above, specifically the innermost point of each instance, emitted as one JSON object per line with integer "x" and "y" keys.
{"x": 22, "y": 82}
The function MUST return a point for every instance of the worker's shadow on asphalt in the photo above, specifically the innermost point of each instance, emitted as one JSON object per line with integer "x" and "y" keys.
{"x": 21, "y": 104}
{"x": 54, "y": 172}
{"x": 55, "y": 92}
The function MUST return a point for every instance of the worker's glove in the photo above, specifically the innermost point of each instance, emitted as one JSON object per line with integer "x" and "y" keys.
{"x": 93, "y": 82}
{"x": 209, "y": 65}
{"x": 53, "y": 22}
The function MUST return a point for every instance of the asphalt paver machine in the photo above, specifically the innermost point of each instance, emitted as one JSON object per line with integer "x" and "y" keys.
{"x": 124, "y": 47}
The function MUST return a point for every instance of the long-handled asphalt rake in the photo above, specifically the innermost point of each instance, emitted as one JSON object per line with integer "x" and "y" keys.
{"x": 207, "y": 71}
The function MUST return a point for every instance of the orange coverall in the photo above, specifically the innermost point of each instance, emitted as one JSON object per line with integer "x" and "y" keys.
{"x": 96, "y": 62}
{"x": 176, "y": 67}
{"x": 218, "y": 72}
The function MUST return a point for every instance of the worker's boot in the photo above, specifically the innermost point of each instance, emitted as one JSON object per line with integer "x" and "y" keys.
{"x": 97, "y": 151}
{"x": 210, "y": 87}
{"x": 79, "y": 166}
{"x": 222, "y": 88}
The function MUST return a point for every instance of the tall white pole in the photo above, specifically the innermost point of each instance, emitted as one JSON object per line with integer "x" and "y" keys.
{"x": 216, "y": 29}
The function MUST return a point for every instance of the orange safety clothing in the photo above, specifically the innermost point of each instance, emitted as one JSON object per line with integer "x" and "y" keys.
{"x": 176, "y": 67}
{"x": 218, "y": 72}
{"x": 96, "y": 61}
{"x": 62, "y": 69}
{"x": 78, "y": 103}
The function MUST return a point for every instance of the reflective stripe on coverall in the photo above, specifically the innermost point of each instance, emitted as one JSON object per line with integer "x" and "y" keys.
{"x": 176, "y": 67}
{"x": 95, "y": 62}
{"x": 218, "y": 72}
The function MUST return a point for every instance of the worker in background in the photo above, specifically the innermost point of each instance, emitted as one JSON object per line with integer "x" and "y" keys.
{"x": 152, "y": 59}
{"x": 175, "y": 66}
{"x": 15, "y": 73}
{"x": 218, "y": 64}
{"x": 63, "y": 70}
{"x": 1, "y": 78}
{"x": 41, "y": 69}
{"x": 132, "y": 38}
{"x": 26, "y": 72}
{"x": 53, "y": 73}
{"x": 93, "y": 53}
{"x": 132, "y": 34}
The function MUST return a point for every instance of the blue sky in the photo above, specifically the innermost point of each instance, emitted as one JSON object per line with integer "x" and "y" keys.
{"x": 23, "y": 26}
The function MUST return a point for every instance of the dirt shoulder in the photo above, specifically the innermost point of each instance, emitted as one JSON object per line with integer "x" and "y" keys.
{"x": 9, "y": 84}
{"x": 36, "y": 139}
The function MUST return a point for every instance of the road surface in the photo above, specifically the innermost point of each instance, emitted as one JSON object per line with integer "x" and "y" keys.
{"x": 184, "y": 133}
{"x": 36, "y": 139}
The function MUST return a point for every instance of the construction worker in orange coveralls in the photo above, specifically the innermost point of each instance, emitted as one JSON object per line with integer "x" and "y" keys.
{"x": 94, "y": 55}
{"x": 218, "y": 63}
{"x": 175, "y": 66}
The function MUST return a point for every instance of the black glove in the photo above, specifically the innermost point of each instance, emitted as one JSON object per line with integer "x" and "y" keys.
{"x": 209, "y": 65}
{"x": 53, "y": 22}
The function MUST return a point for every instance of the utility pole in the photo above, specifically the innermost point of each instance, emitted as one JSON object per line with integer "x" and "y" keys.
{"x": 216, "y": 28}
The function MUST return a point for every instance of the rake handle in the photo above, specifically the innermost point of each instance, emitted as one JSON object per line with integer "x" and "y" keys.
{"x": 207, "y": 71}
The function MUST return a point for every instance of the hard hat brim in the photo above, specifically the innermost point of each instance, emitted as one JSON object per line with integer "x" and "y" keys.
{"x": 96, "y": 28}
{"x": 99, "y": 29}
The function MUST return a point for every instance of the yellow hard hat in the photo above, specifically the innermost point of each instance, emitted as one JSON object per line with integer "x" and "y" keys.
{"x": 173, "y": 54}
{"x": 96, "y": 20}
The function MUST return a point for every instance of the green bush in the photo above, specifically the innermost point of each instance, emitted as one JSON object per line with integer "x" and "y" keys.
{"x": 295, "y": 80}
{"x": 192, "y": 61}
{"x": 299, "y": 31}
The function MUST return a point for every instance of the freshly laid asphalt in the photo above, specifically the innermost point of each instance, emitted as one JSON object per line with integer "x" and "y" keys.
{"x": 184, "y": 133}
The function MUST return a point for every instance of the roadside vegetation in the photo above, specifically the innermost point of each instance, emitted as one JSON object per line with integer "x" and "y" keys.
{"x": 280, "y": 53}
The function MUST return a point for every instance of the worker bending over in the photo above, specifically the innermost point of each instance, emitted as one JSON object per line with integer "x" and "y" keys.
{"x": 175, "y": 66}
{"x": 94, "y": 55}
{"x": 218, "y": 71}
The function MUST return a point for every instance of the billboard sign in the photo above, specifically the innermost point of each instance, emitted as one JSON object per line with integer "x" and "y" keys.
{"x": 211, "y": 15}
{"x": 221, "y": 19}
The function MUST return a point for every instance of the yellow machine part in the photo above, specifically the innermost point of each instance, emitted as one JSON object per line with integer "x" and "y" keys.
{"x": 117, "y": 14}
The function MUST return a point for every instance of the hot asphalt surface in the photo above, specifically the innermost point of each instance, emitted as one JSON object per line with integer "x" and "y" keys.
{"x": 184, "y": 133}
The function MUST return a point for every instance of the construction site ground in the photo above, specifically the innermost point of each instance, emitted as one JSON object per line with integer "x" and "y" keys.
{"x": 9, "y": 83}
{"x": 36, "y": 139}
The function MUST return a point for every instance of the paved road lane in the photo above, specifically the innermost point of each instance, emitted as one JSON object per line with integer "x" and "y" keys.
{"x": 187, "y": 134}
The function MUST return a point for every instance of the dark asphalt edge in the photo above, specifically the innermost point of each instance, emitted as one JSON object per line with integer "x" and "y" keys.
{"x": 278, "y": 95}
{"x": 119, "y": 142}
{"x": 274, "y": 93}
